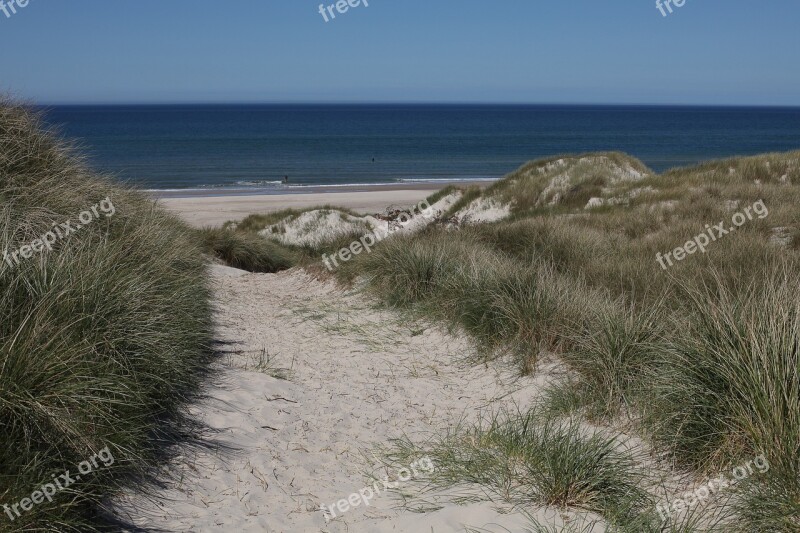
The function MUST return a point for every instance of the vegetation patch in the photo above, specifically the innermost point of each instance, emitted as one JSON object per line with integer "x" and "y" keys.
{"x": 103, "y": 339}
{"x": 528, "y": 458}
{"x": 246, "y": 251}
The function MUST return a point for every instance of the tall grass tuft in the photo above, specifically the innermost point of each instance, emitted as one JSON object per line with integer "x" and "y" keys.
{"x": 247, "y": 251}
{"x": 609, "y": 355}
{"x": 102, "y": 339}
{"x": 530, "y": 459}
{"x": 734, "y": 372}
{"x": 729, "y": 389}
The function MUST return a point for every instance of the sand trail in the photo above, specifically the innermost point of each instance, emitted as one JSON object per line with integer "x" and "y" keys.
{"x": 350, "y": 377}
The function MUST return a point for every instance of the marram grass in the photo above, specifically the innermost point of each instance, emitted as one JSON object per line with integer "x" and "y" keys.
{"x": 700, "y": 361}
{"x": 102, "y": 339}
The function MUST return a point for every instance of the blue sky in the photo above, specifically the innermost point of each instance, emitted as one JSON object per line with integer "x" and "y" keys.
{"x": 531, "y": 51}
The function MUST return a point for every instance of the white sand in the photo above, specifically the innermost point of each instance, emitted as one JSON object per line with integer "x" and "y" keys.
{"x": 483, "y": 210}
{"x": 359, "y": 377}
{"x": 202, "y": 211}
{"x": 427, "y": 216}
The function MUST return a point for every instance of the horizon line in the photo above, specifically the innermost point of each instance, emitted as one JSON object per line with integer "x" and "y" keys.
{"x": 403, "y": 103}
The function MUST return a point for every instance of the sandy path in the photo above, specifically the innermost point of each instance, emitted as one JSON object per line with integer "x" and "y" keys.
{"x": 359, "y": 377}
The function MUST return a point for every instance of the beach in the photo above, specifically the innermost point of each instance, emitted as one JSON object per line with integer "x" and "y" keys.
{"x": 200, "y": 209}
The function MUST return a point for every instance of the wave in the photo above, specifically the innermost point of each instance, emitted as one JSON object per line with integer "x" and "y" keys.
{"x": 278, "y": 185}
{"x": 446, "y": 180}
{"x": 257, "y": 183}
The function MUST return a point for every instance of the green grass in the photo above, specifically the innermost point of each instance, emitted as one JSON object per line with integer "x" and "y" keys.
{"x": 609, "y": 356}
{"x": 507, "y": 310}
{"x": 728, "y": 389}
{"x": 247, "y": 251}
{"x": 102, "y": 339}
{"x": 529, "y": 459}
{"x": 441, "y": 193}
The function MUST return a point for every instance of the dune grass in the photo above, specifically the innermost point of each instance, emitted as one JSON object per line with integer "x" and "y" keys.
{"x": 729, "y": 389}
{"x": 529, "y": 458}
{"x": 247, "y": 251}
{"x": 505, "y": 308}
{"x": 609, "y": 356}
{"x": 441, "y": 193}
{"x": 102, "y": 339}
{"x": 699, "y": 360}
{"x": 564, "y": 181}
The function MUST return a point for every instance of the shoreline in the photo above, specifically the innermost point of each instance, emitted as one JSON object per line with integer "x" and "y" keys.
{"x": 313, "y": 189}
{"x": 214, "y": 208}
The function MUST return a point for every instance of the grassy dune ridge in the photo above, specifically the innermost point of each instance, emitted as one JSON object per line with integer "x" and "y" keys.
{"x": 701, "y": 360}
{"x": 102, "y": 339}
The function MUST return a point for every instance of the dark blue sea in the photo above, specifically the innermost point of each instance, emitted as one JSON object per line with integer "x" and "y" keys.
{"x": 255, "y": 146}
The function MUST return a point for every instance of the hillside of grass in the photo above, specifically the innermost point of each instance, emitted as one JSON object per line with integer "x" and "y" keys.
{"x": 104, "y": 335}
{"x": 697, "y": 358}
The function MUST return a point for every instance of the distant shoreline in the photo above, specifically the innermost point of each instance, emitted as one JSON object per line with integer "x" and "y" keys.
{"x": 201, "y": 209}
{"x": 223, "y": 192}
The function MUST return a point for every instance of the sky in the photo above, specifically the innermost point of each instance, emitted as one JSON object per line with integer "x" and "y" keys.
{"x": 726, "y": 52}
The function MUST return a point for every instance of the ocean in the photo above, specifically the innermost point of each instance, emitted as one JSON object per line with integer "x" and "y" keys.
{"x": 252, "y": 147}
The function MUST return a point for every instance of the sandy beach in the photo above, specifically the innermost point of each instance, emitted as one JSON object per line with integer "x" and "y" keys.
{"x": 202, "y": 210}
